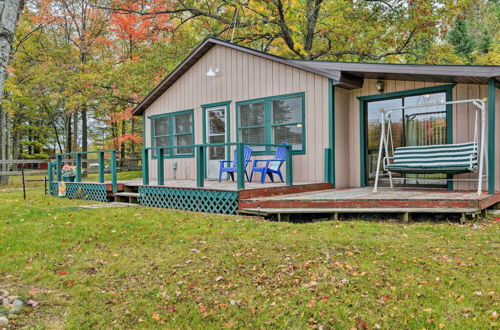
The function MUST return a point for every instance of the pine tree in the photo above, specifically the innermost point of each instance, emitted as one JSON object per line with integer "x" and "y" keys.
{"x": 461, "y": 39}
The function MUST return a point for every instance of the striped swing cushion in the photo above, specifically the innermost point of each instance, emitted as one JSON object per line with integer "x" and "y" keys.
{"x": 445, "y": 158}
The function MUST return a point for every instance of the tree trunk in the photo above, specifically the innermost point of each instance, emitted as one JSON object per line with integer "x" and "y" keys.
{"x": 122, "y": 146}
{"x": 4, "y": 151}
{"x": 67, "y": 130}
{"x": 75, "y": 130}
{"x": 9, "y": 11}
{"x": 132, "y": 148}
{"x": 9, "y": 14}
{"x": 84, "y": 135}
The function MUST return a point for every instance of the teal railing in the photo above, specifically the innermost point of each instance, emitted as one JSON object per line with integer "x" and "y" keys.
{"x": 201, "y": 164}
{"x": 78, "y": 164}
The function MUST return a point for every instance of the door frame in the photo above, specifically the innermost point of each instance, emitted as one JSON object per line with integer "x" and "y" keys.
{"x": 412, "y": 92}
{"x": 204, "y": 108}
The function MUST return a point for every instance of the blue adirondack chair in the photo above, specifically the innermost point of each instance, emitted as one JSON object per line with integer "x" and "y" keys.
{"x": 271, "y": 166}
{"x": 231, "y": 166}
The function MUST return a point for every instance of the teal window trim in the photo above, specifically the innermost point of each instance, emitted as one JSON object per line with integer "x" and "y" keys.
{"x": 171, "y": 135}
{"x": 412, "y": 92}
{"x": 491, "y": 135}
{"x": 204, "y": 108}
{"x": 268, "y": 125}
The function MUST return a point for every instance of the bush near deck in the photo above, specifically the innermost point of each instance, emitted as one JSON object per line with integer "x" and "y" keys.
{"x": 141, "y": 267}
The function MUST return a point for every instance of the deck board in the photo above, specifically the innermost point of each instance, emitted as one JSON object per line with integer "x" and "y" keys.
{"x": 364, "y": 199}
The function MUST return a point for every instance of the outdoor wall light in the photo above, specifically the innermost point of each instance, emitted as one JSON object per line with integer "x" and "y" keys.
{"x": 299, "y": 125}
{"x": 213, "y": 72}
{"x": 379, "y": 85}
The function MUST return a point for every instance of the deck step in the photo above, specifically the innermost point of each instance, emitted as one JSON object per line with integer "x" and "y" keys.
{"x": 127, "y": 197}
{"x": 268, "y": 211}
{"x": 127, "y": 194}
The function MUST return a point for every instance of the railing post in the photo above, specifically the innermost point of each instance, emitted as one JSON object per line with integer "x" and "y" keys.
{"x": 161, "y": 167}
{"x": 51, "y": 172}
{"x": 101, "y": 167}
{"x": 114, "y": 182}
{"x": 78, "y": 167}
{"x": 289, "y": 166}
{"x": 145, "y": 167}
{"x": 58, "y": 167}
{"x": 200, "y": 166}
{"x": 240, "y": 166}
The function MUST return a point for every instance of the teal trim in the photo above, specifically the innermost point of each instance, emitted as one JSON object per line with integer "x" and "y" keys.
{"x": 491, "y": 136}
{"x": 410, "y": 92}
{"x": 78, "y": 168}
{"x": 172, "y": 153}
{"x": 114, "y": 182}
{"x": 362, "y": 116}
{"x": 59, "y": 168}
{"x": 268, "y": 121}
{"x": 449, "y": 127}
{"x": 204, "y": 108}
{"x": 145, "y": 166}
{"x": 331, "y": 133}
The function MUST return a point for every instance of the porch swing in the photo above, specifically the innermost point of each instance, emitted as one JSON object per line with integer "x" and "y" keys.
{"x": 433, "y": 159}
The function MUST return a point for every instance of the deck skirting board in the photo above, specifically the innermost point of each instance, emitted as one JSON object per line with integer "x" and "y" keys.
{"x": 86, "y": 191}
{"x": 197, "y": 200}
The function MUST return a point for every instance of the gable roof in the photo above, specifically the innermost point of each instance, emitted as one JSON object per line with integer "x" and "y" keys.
{"x": 348, "y": 75}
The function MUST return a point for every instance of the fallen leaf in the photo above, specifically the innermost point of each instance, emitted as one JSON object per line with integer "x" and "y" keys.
{"x": 32, "y": 291}
{"x": 362, "y": 324}
{"x": 69, "y": 283}
{"x": 229, "y": 325}
{"x": 203, "y": 309}
{"x": 32, "y": 303}
{"x": 156, "y": 317}
{"x": 91, "y": 271}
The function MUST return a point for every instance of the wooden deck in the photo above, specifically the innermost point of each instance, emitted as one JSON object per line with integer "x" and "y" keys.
{"x": 363, "y": 200}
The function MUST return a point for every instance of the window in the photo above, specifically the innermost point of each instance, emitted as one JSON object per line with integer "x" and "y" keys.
{"x": 173, "y": 129}
{"x": 272, "y": 120}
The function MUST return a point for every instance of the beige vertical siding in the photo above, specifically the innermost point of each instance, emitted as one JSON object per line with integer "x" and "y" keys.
{"x": 342, "y": 138}
{"x": 463, "y": 126}
{"x": 243, "y": 77}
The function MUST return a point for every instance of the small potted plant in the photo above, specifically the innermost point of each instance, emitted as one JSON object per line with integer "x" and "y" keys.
{"x": 68, "y": 173}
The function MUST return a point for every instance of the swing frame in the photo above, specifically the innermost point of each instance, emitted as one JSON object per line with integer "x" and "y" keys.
{"x": 385, "y": 116}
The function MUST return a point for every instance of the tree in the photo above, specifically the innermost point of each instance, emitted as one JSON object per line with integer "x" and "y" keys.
{"x": 461, "y": 39}
{"x": 10, "y": 11}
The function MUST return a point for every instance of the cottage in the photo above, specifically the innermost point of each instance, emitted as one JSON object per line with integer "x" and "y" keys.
{"x": 328, "y": 113}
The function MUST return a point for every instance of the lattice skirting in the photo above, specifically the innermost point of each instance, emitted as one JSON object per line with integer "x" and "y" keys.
{"x": 86, "y": 191}
{"x": 198, "y": 200}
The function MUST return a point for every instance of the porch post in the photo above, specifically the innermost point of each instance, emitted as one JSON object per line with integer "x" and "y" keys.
{"x": 145, "y": 167}
{"x": 113, "y": 171}
{"x": 289, "y": 166}
{"x": 58, "y": 167}
{"x": 161, "y": 168}
{"x": 78, "y": 167}
{"x": 50, "y": 172}
{"x": 240, "y": 166}
{"x": 101, "y": 166}
{"x": 331, "y": 134}
{"x": 491, "y": 136}
{"x": 200, "y": 166}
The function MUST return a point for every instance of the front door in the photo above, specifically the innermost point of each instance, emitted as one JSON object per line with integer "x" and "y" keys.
{"x": 216, "y": 128}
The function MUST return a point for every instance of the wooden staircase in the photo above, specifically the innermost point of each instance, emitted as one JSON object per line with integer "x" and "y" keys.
{"x": 130, "y": 194}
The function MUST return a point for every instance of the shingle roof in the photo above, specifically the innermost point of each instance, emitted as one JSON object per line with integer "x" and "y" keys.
{"x": 344, "y": 74}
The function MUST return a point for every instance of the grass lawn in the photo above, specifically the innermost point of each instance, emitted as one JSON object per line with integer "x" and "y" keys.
{"x": 150, "y": 268}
